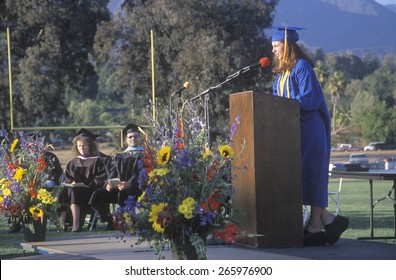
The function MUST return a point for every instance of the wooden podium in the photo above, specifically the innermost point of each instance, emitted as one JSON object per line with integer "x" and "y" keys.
{"x": 266, "y": 169}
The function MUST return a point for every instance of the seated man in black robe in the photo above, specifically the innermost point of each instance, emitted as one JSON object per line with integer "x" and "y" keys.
{"x": 125, "y": 170}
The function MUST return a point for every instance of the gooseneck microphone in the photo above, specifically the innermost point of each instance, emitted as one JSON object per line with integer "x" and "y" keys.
{"x": 263, "y": 63}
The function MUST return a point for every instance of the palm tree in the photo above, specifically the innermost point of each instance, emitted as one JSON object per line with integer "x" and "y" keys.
{"x": 336, "y": 86}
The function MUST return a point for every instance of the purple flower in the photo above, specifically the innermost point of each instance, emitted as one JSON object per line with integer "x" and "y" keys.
{"x": 186, "y": 159}
{"x": 130, "y": 203}
{"x": 206, "y": 217}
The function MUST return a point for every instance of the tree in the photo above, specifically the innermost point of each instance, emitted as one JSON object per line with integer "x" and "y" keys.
{"x": 197, "y": 41}
{"x": 51, "y": 46}
{"x": 335, "y": 85}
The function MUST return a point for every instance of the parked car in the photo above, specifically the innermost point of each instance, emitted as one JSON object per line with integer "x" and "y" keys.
{"x": 385, "y": 146}
{"x": 358, "y": 158}
{"x": 372, "y": 146}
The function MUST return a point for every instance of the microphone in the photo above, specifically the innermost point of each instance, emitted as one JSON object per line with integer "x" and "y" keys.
{"x": 263, "y": 62}
{"x": 185, "y": 85}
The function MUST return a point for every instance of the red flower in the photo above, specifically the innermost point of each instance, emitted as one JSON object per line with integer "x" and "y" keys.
{"x": 228, "y": 234}
{"x": 11, "y": 166}
{"x": 33, "y": 193}
{"x": 205, "y": 206}
{"x": 214, "y": 205}
{"x": 41, "y": 164}
{"x": 31, "y": 185}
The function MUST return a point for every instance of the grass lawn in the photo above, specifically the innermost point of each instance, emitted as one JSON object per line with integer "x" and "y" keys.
{"x": 10, "y": 242}
{"x": 354, "y": 204}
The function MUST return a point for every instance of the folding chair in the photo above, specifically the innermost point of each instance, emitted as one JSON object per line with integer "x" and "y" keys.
{"x": 335, "y": 197}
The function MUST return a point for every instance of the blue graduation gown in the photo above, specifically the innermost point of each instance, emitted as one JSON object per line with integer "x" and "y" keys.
{"x": 315, "y": 132}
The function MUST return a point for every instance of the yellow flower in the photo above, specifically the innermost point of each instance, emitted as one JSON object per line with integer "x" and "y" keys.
{"x": 14, "y": 145}
{"x": 162, "y": 171}
{"x": 36, "y": 212}
{"x": 7, "y": 192}
{"x": 187, "y": 207}
{"x": 207, "y": 153}
{"x": 163, "y": 156}
{"x": 19, "y": 172}
{"x": 154, "y": 174}
{"x": 152, "y": 177}
{"x": 155, "y": 210}
{"x": 1, "y": 198}
{"x": 45, "y": 196}
{"x": 141, "y": 197}
{"x": 128, "y": 219}
{"x": 226, "y": 151}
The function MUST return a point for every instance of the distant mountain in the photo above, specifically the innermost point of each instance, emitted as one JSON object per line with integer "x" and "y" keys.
{"x": 391, "y": 7}
{"x": 358, "y": 26}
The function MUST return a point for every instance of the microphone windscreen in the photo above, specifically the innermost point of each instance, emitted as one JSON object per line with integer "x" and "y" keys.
{"x": 265, "y": 62}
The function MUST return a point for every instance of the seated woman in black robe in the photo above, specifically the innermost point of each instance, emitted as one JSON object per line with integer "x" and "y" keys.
{"x": 83, "y": 175}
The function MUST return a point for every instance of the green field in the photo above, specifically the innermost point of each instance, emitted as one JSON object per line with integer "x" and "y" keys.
{"x": 354, "y": 204}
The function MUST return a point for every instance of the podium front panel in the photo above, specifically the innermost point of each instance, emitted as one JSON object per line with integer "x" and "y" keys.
{"x": 266, "y": 170}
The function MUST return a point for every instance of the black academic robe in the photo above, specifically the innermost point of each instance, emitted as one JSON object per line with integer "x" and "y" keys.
{"x": 91, "y": 172}
{"x": 125, "y": 167}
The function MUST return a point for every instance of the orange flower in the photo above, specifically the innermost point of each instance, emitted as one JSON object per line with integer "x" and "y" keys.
{"x": 31, "y": 185}
{"x": 41, "y": 164}
{"x": 33, "y": 193}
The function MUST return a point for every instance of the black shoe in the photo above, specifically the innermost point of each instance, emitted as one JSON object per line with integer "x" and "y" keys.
{"x": 314, "y": 239}
{"x": 336, "y": 228}
{"x": 110, "y": 226}
{"x": 16, "y": 227}
{"x": 77, "y": 230}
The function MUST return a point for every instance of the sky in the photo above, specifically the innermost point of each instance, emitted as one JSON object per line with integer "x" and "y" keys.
{"x": 384, "y": 2}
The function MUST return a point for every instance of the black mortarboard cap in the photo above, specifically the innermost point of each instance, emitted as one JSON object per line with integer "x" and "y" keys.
{"x": 130, "y": 128}
{"x": 86, "y": 133}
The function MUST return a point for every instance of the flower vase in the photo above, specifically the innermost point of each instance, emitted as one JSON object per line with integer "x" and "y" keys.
{"x": 35, "y": 230}
{"x": 184, "y": 249}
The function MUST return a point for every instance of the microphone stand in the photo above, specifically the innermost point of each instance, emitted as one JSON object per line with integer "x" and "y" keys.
{"x": 206, "y": 94}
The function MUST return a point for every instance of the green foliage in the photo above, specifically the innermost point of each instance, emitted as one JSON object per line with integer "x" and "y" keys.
{"x": 50, "y": 55}
{"x": 83, "y": 112}
{"x": 200, "y": 42}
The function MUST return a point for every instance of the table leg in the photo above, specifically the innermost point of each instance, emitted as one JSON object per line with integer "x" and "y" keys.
{"x": 371, "y": 209}
{"x": 394, "y": 206}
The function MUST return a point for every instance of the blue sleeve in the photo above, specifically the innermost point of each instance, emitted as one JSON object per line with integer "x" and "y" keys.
{"x": 310, "y": 92}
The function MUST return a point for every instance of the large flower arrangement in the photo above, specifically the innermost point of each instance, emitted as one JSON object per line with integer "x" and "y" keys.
{"x": 22, "y": 175}
{"x": 186, "y": 190}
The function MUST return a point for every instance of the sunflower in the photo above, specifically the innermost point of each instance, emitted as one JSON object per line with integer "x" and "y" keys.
{"x": 226, "y": 151}
{"x": 155, "y": 211}
{"x": 36, "y": 212}
{"x": 163, "y": 156}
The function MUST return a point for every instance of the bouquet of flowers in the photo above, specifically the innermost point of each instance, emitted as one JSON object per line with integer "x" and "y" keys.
{"x": 187, "y": 190}
{"x": 23, "y": 172}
